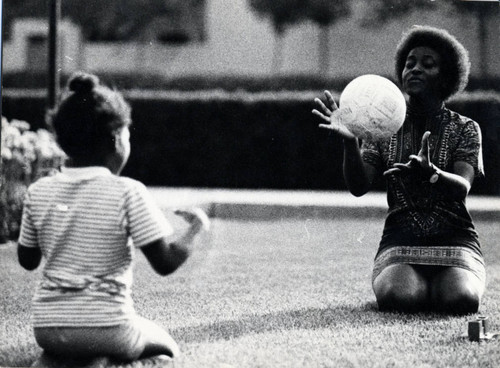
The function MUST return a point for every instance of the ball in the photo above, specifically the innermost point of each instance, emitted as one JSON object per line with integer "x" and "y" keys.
{"x": 372, "y": 107}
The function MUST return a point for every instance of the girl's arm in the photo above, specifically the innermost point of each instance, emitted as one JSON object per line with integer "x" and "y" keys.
{"x": 29, "y": 258}
{"x": 165, "y": 257}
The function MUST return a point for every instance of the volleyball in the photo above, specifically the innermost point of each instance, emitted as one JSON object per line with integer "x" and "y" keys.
{"x": 372, "y": 107}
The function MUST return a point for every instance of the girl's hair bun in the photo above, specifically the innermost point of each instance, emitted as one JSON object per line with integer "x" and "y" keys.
{"x": 83, "y": 83}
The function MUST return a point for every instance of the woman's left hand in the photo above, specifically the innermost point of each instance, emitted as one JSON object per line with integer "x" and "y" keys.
{"x": 420, "y": 162}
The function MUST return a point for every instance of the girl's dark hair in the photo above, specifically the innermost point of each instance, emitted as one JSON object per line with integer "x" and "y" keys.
{"x": 87, "y": 117}
{"x": 455, "y": 64}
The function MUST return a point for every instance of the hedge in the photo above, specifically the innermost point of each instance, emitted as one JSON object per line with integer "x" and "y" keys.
{"x": 217, "y": 139}
{"x": 298, "y": 82}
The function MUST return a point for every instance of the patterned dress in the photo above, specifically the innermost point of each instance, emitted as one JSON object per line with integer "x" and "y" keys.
{"x": 423, "y": 225}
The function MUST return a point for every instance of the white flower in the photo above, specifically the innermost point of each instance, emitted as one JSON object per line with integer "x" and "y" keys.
{"x": 26, "y": 151}
{"x": 6, "y": 153}
{"x": 22, "y": 126}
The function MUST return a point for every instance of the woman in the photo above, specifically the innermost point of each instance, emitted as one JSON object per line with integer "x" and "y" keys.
{"x": 429, "y": 257}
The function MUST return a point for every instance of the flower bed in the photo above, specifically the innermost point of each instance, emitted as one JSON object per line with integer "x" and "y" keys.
{"x": 26, "y": 156}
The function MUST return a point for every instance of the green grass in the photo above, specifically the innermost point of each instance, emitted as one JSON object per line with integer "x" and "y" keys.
{"x": 284, "y": 293}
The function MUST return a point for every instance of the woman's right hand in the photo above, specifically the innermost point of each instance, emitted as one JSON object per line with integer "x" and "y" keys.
{"x": 332, "y": 115}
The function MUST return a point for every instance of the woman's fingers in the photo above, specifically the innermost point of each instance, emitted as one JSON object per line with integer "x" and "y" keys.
{"x": 416, "y": 162}
{"x": 337, "y": 127}
{"x": 394, "y": 170}
{"x": 424, "y": 147}
{"x": 428, "y": 157}
{"x": 329, "y": 107}
{"x": 403, "y": 167}
{"x": 321, "y": 115}
{"x": 332, "y": 116}
{"x": 399, "y": 168}
{"x": 415, "y": 159}
{"x": 323, "y": 107}
{"x": 330, "y": 100}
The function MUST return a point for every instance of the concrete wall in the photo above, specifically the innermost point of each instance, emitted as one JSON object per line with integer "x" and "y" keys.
{"x": 15, "y": 52}
{"x": 241, "y": 43}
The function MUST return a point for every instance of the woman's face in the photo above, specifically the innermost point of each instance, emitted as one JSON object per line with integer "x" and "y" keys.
{"x": 422, "y": 72}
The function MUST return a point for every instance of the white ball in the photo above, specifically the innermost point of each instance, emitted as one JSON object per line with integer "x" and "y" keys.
{"x": 372, "y": 107}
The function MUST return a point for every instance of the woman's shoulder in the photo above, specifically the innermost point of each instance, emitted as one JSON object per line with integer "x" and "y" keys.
{"x": 460, "y": 119}
{"x": 462, "y": 124}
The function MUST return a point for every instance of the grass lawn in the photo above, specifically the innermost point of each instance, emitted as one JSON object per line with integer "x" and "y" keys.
{"x": 286, "y": 293}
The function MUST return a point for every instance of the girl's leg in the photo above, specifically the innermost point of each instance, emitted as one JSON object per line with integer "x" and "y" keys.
{"x": 400, "y": 287}
{"x": 156, "y": 340}
{"x": 456, "y": 291}
{"x": 83, "y": 343}
{"x": 140, "y": 338}
{"x": 50, "y": 361}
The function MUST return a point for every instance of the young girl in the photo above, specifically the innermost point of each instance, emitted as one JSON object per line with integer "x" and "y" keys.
{"x": 86, "y": 221}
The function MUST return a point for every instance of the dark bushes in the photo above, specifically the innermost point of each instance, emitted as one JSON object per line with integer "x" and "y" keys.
{"x": 33, "y": 80}
{"x": 268, "y": 140}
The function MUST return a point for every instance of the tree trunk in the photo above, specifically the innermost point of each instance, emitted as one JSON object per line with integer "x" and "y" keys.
{"x": 324, "y": 50}
{"x": 483, "y": 19}
{"x": 277, "y": 62}
{"x": 140, "y": 56}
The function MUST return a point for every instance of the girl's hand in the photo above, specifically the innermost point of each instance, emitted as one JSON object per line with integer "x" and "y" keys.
{"x": 164, "y": 255}
{"x": 420, "y": 162}
{"x": 197, "y": 218}
{"x": 331, "y": 115}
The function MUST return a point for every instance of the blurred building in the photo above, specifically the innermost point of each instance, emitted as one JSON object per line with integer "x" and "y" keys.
{"x": 231, "y": 39}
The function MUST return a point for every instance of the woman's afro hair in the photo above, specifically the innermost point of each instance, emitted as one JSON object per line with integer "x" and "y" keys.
{"x": 455, "y": 64}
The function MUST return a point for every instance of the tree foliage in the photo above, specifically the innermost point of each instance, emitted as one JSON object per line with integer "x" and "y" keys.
{"x": 282, "y": 13}
{"x": 110, "y": 20}
{"x": 327, "y": 12}
{"x": 382, "y": 11}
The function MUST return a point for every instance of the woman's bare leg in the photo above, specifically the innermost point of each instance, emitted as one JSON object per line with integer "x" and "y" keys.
{"x": 400, "y": 287}
{"x": 456, "y": 291}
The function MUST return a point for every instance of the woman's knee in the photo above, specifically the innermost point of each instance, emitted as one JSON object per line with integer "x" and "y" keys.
{"x": 400, "y": 288}
{"x": 404, "y": 300}
{"x": 456, "y": 291}
{"x": 457, "y": 301}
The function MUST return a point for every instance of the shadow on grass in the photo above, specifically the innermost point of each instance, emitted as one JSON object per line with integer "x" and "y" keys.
{"x": 336, "y": 317}
{"x": 308, "y": 318}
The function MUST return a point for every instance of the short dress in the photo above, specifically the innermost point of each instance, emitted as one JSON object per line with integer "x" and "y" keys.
{"x": 423, "y": 226}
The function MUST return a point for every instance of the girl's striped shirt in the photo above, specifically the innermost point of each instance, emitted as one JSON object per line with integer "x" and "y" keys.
{"x": 87, "y": 221}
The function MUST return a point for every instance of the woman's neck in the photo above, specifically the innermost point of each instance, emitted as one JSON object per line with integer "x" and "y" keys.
{"x": 424, "y": 106}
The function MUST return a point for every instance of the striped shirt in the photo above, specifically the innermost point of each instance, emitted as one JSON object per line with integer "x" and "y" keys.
{"x": 86, "y": 222}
